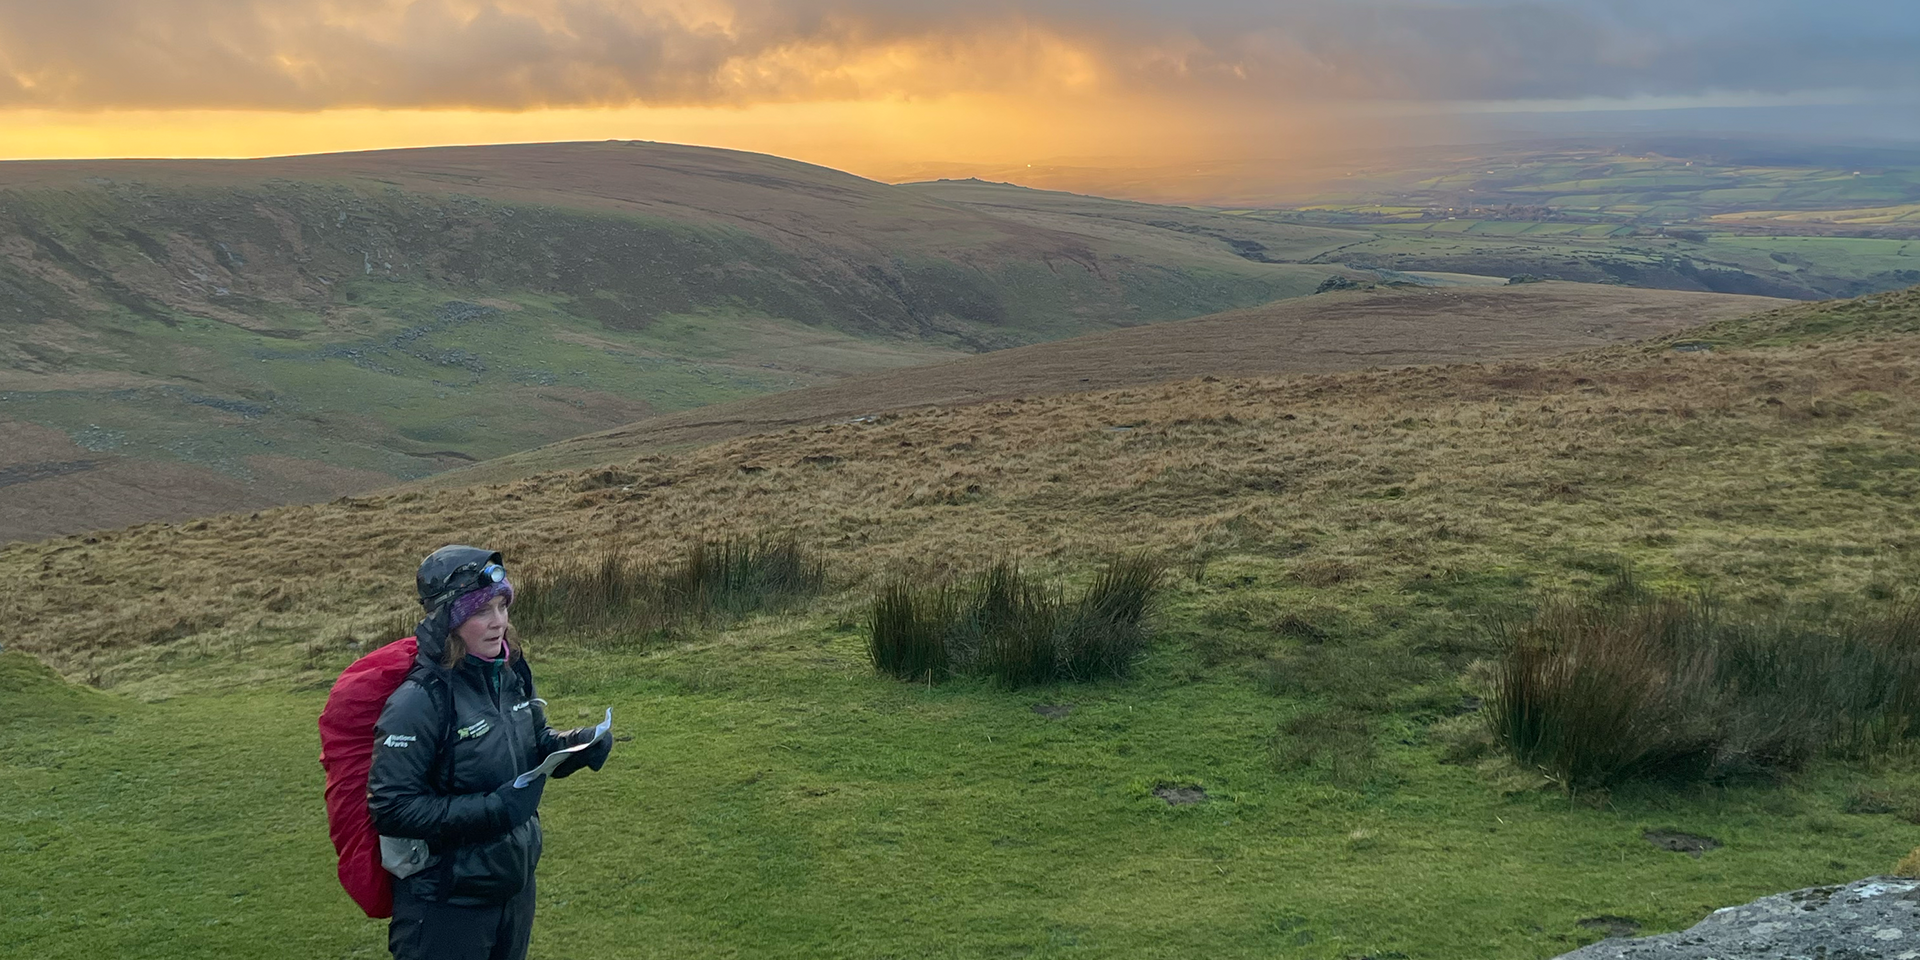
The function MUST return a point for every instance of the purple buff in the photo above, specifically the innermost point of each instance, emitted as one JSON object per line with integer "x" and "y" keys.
{"x": 468, "y": 604}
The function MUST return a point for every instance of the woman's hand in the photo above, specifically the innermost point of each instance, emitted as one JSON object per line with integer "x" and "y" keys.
{"x": 594, "y": 756}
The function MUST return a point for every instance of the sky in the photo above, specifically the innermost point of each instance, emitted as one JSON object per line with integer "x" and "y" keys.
{"x": 872, "y": 85}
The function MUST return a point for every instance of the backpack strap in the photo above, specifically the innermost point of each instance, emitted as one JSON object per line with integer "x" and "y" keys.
{"x": 519, "y": 666}
{"x": 442, "y": 697}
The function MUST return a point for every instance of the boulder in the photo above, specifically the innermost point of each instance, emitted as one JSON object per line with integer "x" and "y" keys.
{"x": 1873, "y": 919}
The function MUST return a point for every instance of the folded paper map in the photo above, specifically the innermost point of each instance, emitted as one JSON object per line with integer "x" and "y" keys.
{"x": 555, "y": 758}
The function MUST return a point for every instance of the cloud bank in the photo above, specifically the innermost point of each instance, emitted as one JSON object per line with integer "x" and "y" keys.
{"x": 303, "y": 55}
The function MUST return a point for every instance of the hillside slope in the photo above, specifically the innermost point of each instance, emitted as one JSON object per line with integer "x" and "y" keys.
{"x": 186, "y": 335}
{"x": 1334, "y": 331}
{"x": 1765, "y": 472}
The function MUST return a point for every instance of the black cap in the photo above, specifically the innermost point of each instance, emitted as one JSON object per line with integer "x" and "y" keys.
{"x": 449, "y": 572}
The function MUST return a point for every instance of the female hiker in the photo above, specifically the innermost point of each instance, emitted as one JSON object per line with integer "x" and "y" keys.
{"x": 460, "y": 839}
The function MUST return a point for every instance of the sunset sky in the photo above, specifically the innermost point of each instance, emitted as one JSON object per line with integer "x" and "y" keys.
{"x": 869, "y": 85}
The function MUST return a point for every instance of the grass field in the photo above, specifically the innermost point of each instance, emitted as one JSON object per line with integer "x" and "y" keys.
{"x": 777, "y": 800}
{"x": 1340, "y": 541}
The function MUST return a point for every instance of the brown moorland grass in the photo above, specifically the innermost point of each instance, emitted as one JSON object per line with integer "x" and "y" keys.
{"x": 1767, "y": 472}
{"x": 1324, "y": 333}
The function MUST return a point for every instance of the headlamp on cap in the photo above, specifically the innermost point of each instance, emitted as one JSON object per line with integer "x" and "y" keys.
{"x": 465, "y": 579}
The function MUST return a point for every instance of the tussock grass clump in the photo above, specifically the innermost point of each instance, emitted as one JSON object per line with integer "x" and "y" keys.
{"x": 737, "y": 577}
{"x": 1672, "y": 688}
{"x": 611, "y": 591}
{"x": 909, "y": 632}
{"x": 1004, "y": 623}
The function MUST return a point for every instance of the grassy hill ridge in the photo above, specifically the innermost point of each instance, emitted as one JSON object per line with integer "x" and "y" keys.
{"x": 194, "y": 335}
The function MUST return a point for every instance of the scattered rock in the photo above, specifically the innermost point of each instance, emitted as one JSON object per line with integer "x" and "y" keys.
{"x": 1180, "y": 796}
{"x": 1337, "y": 282}
{"x": 1611, "y": 925}
{"x": 1677, "y": 841}
{"x": 1871, "y": 918}
{"x": 1053, "y": 711}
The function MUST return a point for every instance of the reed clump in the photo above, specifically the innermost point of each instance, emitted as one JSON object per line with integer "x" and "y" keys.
{"x": 611, "y": 591}
{"x": 1678, "y": 689}
{"x": 1020, "y": 630}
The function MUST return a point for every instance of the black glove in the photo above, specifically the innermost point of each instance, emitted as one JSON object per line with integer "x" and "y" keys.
{"x": 520, "y": 803}
{"x": 594, "y": 756}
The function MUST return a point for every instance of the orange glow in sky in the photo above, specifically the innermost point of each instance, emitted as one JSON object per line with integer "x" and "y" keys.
{"x": 865, "y": 137}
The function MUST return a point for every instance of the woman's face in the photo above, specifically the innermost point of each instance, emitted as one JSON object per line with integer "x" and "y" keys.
{"x": 485, "y": 633}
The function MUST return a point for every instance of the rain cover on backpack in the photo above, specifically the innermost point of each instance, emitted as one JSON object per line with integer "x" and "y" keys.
{"x": 346, "y": 752}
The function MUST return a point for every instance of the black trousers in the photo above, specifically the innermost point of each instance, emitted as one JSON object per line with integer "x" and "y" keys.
{"x": 430, "y": 930}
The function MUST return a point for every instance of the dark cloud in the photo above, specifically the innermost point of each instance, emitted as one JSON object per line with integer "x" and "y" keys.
{"x": 518, "y": 54}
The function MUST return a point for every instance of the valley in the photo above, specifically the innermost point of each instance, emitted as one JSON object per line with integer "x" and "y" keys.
{"x": 247, "y": 333}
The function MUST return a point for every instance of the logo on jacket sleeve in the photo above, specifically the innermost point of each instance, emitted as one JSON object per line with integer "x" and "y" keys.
{"x": 397, "y": 740}
{"x": 476, "y": 729}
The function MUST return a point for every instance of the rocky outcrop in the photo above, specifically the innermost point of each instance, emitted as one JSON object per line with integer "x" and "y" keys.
{"x": 1873, "y": 919}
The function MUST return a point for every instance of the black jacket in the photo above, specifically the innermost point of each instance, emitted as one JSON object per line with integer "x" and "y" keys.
{"x": 498, "y": 729}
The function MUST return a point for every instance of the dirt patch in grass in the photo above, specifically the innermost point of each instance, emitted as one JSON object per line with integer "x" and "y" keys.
{"x": 1180, "y": 796}
{"x": 1679, "y": 841}
{"x": 1053, "y": 711}
{"x": 1611, "y": 925}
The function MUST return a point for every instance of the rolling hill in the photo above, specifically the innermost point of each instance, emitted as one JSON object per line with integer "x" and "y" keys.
{"x": 179, "y": 337}
{"x": 190, "y": 335}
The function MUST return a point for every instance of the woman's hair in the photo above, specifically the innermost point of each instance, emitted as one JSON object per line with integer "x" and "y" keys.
{"x": 457, "y": 648}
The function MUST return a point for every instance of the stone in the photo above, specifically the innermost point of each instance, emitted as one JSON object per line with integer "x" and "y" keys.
{"x": 1873, "y": 919}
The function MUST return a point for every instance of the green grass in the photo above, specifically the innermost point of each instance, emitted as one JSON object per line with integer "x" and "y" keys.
{"x": 1313, "y": 670}
{"x": 776, "y": 799}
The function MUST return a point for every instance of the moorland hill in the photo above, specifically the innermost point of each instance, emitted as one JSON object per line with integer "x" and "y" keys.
{"x": 193, "y": 336}
{"x": 185, "y": 336}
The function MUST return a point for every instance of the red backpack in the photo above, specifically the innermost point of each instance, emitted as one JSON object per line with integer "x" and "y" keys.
{"x": 346, "y": 752}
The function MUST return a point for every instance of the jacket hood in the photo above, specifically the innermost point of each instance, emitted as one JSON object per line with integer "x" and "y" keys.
{"x": 431, "y": 636}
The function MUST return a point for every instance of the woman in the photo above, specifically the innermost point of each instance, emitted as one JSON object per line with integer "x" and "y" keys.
{"x": 461, "y": 840}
